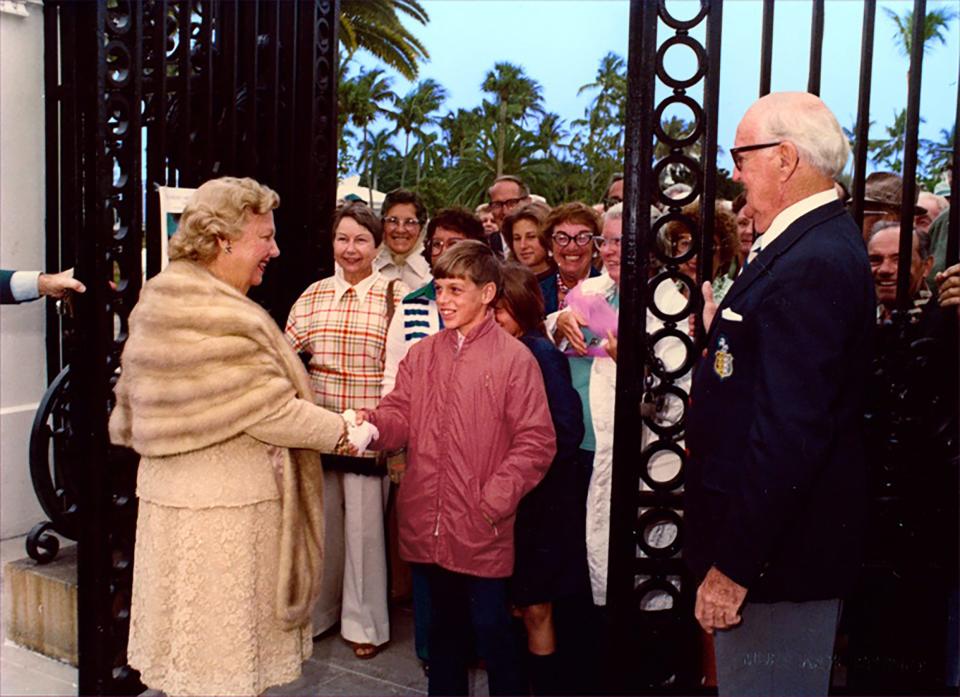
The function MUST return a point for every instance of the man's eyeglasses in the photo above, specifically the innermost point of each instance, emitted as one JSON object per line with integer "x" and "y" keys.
{"x": 600, "y": 242}
{"x": 737, "y": 153}
{"x": 508, "y": 204}
{"x": 610, "y": 202}
{"x": 582, "y": 239}
{"x": 439, "y": 245}
{"x": 405, "y": 222}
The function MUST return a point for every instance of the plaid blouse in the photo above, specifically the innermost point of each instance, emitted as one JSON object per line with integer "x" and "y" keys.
{"x": 344, "y": 329}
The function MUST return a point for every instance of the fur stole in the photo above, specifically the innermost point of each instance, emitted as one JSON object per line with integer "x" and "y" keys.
{"x": 201, "y": 365}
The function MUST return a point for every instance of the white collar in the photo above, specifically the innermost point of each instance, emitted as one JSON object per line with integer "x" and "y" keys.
{"x": 341, "y": 286}
{"x": 414, "y": 260}
{"x": 791, "y": 214}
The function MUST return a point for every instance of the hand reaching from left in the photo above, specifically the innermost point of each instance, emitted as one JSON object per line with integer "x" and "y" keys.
{"x": 59, "y": 285}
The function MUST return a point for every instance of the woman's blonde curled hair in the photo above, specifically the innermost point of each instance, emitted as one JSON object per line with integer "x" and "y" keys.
{"x": 218, "y": 210}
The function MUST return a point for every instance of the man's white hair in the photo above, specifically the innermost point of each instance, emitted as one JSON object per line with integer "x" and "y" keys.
{"x": 813, "y": 128}
{"x": 614, "y": 212}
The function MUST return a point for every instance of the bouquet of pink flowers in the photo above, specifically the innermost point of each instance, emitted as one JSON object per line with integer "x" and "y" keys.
{"x": 599, "y": 316}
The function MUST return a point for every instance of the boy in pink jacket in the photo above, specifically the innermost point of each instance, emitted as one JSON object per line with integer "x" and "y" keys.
{"x": 470, "y": 407}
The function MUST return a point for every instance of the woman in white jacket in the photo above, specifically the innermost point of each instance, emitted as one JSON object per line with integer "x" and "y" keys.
{"x": 595, "y": 379}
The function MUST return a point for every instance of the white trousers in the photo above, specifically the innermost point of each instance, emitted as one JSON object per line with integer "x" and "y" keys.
{"x": 354, "y": 585}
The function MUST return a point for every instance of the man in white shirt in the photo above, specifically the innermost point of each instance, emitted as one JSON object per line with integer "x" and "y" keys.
{"x": 775, "y": 483}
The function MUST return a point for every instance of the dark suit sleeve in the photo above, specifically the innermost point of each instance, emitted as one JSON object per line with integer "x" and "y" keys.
{"x": 808, "y": 326}
{"x": 6, "y": 296}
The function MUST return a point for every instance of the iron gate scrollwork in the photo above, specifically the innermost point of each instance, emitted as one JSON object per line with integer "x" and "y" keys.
{"x": 649, "y": 591}
{"x": 179, "y": 91}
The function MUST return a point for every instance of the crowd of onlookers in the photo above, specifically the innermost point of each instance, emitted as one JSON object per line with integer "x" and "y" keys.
{"x": 548, "y": 253}
{"x": 460, "y": 386}
{"x": 526, "y": 433}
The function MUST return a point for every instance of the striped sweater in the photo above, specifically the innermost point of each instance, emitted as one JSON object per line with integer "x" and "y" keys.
{"x": 416, "y": 318}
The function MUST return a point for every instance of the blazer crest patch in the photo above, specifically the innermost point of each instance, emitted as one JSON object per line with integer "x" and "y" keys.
{"x": 723, "y": 359}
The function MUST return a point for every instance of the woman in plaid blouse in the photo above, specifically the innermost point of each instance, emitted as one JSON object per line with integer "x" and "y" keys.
{"x": 341, "y": 322}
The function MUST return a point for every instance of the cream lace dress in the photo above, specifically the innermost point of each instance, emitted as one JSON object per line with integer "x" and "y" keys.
{"x": 203, "y": 611}
{"x": 221, "y": 411}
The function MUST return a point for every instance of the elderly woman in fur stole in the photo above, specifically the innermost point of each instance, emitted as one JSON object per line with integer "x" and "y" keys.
{"x": 229, "y": 544}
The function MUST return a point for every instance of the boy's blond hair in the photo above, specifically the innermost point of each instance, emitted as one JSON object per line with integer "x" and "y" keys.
{"x": 472, "y": 260}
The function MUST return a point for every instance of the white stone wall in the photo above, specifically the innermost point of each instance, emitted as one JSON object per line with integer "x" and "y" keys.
{"x": 22, "y": 348}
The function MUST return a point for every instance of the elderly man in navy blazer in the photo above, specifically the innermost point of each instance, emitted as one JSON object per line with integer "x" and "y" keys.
{"x": 776, "y": 479}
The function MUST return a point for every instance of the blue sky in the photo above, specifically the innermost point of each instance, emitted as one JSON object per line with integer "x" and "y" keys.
{"x": 560, "y": 44}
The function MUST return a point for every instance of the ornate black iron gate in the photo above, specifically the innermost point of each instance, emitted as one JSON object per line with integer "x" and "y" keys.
{"x": 141, "y": 94}
{"x": 656, "y": 641}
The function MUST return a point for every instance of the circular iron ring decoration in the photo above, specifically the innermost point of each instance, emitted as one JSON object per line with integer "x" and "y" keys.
{"x": 654, "y": 516}
{"x": 682, "y": 24}
{"x": 119, "y": 64}
{"x": 118, "y": 116}
{"x": 690, "y": 164}
{"x": 688, "y": 347}
{"x": 694, "y": 46}
{"x": 671, "y": 430}
{"x": 119, "y": 18}
{"x": 658, "y": 584}
{"x": 657, "y": 231}
{"x": 697, "y": 121}
{"x": 655, "y": 448}
{"x": 672, "y": 275}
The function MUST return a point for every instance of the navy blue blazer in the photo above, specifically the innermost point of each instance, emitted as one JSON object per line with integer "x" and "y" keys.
{"x": 6, "y": 296}
{"x": 550, "y": 290}
{"x": 775, "y": 488}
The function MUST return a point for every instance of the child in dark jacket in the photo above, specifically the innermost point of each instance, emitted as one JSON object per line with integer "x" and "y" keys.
{"x": 470, "y": 407}
{"x": 551, "y": 553}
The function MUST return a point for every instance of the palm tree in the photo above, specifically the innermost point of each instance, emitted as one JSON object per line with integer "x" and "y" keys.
{"x": 611, "y": 83}
{"x": 888, "y": 151}
{"x": 374, "y": 26}
{"x": 412, "y": 112}
{"x": 939, "y": 154}
{"x": 516, "y": 96}
{"x": 459, "y": 129}
{"x": 550, "y": 134}
{"x": 603, "y": 120}
{"x": 935, "y": 27}
{"x": 373, "y": 153}
{"x": 426, "y": 154}
{"x": 367, "y": 93}
{"x": 469, "y": 181}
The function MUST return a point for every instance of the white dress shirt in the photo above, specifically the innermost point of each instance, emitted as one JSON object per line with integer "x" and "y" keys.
{"x": 790, "y": 214}
{"x": 25, "y": 285}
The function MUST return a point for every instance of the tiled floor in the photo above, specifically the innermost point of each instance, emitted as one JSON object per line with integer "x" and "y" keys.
{"x": 332, "y": 670}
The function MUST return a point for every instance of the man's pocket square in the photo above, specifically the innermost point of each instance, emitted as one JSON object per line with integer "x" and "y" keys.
{"x": 729, "y": 314}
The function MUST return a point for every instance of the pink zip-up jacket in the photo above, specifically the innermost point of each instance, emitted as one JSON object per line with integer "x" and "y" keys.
{"x": 479, "y": 436}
